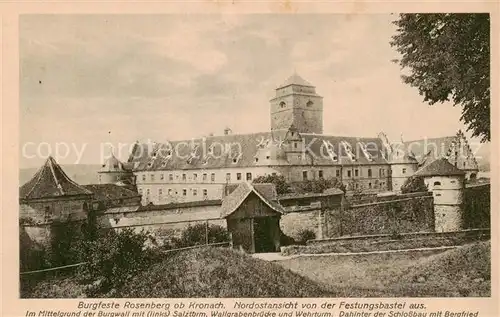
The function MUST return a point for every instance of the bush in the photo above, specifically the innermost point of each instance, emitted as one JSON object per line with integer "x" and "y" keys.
{"x": 196, "y": 235}
{"x": 320, "y": 185}
{"x": 414, "y": 185}
{"x": 114, "y": 258}
{"x": 282, "y": 187}
{"x": 304, "y": 235}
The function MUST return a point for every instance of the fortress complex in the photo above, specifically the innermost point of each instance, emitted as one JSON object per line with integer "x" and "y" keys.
{"x": 295, "y": 147}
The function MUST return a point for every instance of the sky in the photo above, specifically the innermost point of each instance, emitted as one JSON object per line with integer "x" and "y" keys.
{"x": 88, "y": 81}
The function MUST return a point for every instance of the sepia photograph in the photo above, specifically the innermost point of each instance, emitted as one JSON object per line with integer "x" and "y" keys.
{"x": 254, "y": 155}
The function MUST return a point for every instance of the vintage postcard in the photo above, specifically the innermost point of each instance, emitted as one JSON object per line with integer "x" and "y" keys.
{"x": 250, "y": 160}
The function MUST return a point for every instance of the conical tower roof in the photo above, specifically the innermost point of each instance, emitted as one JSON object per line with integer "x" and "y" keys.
{"x": 50, "y": 181}
{"x": 440, "y": 167}
{"x": 112, "y": 164}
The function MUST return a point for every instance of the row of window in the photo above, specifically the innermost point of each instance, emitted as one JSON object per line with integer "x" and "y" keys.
{"x": 337, "y": 173}
{"x": 370, "y": 186}
{"x": 309, "y": 104}
{"x": 204, "y": 177}
{"x": 175, "y": 192}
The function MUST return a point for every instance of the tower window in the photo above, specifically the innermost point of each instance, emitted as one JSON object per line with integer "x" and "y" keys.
{"x": 228, "y": 176}
{"x": 356, "y": 172}
{"x": 195, "y": 192}
{"x": 249, "y": 176}
{"x": 162, "y": 176}
{"x": 205, "y": 192}
{"x": 369, "y": 172}
{"x": 320, "y": 174}
{"x": 47, "y": 216}
{"x": 183, "y": 177}
{"x": 337, "y": 173}
{"x": 184, "y": 192}
{"x": 238, "y": 176}
{"x": 404, "y": 170}
{"x": 143, "y": 177}
{"x": 304, "y": 175}
{"x": 437, "y": 183}
{"x": 282, "y": 104}
{"x": 348, "y": 173}
{"x": 212, "y": 177}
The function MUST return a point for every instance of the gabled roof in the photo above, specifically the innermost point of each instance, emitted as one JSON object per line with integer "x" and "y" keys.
{"x": 245, "y": 147}
{"x": 232, "y": 201}
{"x": 49, "y": 182}
{"x": 433, "y": 148}
{"x": 104, "y": 192}
{"x": 440, "y": 167}
{"x": 295, "y": 79}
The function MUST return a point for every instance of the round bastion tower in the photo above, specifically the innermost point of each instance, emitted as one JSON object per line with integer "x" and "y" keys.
{"x": 447, "y": 185}
{"x": 115, "y": 172}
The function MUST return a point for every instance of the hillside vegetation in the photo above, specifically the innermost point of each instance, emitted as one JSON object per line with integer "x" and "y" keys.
{"x": 215, "y": 272}
{"x": 464, "y": 271}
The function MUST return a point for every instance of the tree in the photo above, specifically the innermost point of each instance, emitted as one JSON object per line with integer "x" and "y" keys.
{"x": 320, "y": 185}
{"x": 113, "y": 258}
{"x": 279, "y": 181}
{"x": 414, "y": 185}
{"x": 448, "y": 58}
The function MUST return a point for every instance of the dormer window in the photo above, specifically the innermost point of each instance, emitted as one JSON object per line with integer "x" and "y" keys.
{"x": 282, "y": 104}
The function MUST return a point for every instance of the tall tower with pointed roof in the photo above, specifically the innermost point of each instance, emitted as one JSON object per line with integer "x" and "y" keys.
{"x": 297, "y": 104}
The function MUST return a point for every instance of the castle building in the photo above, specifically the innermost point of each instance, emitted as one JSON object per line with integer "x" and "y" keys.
{"x": 447, "y": 184}
{"x": 295, "y": 147}
{"x": 455, "y": 149}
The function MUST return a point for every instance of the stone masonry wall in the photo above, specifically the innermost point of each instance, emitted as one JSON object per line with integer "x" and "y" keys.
{"x": 412, "y": 214}
{"x": 477, "y": 207}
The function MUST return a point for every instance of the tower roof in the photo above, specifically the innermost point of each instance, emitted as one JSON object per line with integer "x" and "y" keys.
{"x": 112, "y": 164}
{"x": 295, "y": 79}
{"x": 440, "y": 167}
{"x": 50, "y": 181}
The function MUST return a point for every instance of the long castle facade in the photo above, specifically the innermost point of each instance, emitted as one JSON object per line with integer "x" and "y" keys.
{"x": 295, "y": 147}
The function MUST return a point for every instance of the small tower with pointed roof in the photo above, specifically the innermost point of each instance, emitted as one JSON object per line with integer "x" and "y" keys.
{"x": 51, "y": 196}
{"x": 297, "y": 104}
{"x": 447, "y": 185}
{"x": 113, "y": 171}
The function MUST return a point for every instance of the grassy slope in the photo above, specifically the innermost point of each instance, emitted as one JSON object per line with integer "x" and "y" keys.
{"x": 464, "y": 271}
{"x": 219, "y": 273}
{"x": 451, "y": 273}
